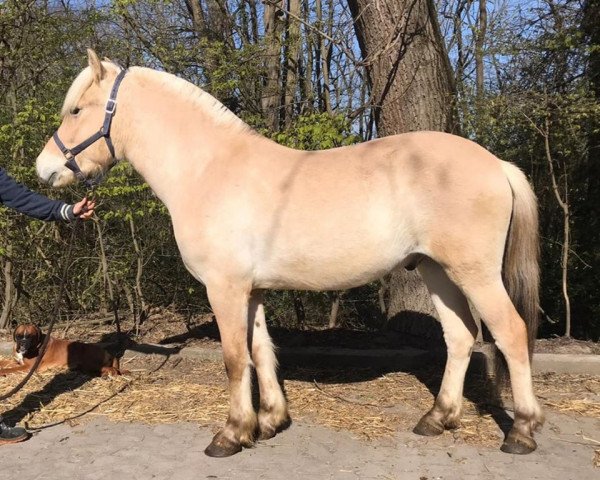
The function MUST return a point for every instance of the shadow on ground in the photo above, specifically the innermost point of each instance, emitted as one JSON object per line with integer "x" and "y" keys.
{"x": 411, "y": 329}
{"x": 71, "y": 380}
{"x": 63, "y": 382}
{"x": 117, "y": 343}
{"x": 428, "y": 368}
{"x": 478, "y": 389}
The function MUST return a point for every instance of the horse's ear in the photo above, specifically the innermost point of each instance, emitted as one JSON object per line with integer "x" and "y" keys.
{"x": 95, "y": 64}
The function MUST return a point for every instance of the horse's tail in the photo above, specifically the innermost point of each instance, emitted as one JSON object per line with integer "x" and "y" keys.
{"x": 520, "y": 271}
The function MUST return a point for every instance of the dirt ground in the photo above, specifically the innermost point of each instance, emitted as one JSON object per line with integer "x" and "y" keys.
{"x": 102, "y": 449}
{"x": 368, "y": 402}
{"x": 155, "y": 421}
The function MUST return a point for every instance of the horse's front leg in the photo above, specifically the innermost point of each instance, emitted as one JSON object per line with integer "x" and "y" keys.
{"x": 230, "y": 306}
{"x": 273, "y": 414}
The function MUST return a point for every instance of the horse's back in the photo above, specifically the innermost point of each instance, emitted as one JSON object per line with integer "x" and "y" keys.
{"x": 354, "y": 213}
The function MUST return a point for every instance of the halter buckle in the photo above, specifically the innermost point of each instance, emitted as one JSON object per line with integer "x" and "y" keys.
{"x": 111, "y": 106}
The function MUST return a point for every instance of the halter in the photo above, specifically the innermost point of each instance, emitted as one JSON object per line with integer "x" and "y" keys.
{"x": 71, "y": 153}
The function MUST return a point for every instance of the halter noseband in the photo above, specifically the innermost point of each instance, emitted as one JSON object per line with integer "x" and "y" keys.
{"x": 71, "y": 153}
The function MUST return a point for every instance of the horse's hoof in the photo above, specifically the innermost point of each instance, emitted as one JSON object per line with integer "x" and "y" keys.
{"x": 428, "y": 427}
{"x": 266, "y": 433}
{"x": 518, "y": 444}
{"x": 268, "y": 430}
{"x": 221, "y": 447}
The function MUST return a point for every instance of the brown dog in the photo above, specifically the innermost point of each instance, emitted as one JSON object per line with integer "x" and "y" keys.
{"x": 80, "y": 356}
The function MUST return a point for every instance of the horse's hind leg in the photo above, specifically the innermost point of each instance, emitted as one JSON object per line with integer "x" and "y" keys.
{"x": 460, "y": 331}
{"x": 273, "y": 415}
{"x": 510, "y": 334}
{"x": 230, "y": 306}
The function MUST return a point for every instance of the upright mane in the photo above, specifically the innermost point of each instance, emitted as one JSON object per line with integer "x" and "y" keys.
{"x": 210, "y": 106}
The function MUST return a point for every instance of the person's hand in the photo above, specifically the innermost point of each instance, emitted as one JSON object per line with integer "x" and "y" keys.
{"x": 84, "y": 209}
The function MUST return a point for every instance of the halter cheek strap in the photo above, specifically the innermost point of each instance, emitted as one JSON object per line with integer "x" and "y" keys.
{"x": 104, "y": 132}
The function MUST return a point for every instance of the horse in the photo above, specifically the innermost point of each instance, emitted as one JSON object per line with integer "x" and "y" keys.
{"x": 251, "y": 215}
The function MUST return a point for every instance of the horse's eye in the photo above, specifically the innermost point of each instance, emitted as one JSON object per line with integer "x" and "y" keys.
{"x": 75, "y": 111}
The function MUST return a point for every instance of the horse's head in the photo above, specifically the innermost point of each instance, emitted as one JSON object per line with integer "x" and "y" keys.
{"x": 82, "y": 147}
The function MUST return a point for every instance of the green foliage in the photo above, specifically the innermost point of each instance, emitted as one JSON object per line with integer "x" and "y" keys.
{"x": 317, "y": 131}
{"x": 511, "y": 127}
{"x": 127, "y": 195}
{"x": 27, "y": 131}
{"x": 539, "y": 73}
{"x": 544, "y": 80}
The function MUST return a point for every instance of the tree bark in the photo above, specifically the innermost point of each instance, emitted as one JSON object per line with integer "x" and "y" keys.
{"x": 306, "y": 78}
{"x": 407, "y": 65}
{"x": 197, "y": 16}
{"x": 563, "y": 202}
{"x": 139, "y": 271}
{"x": 292, "y": 60}
{"x": 9, "y": 290}
{"x": 479, "y": 44}
{"x": 271, "y": 96}
{"x": 299, "y": 309}
{"x": 335, "y": 309}
{"x": 108, "y": 287}
{"x": 412, "y": 88}
{"x": 460, "y": 52}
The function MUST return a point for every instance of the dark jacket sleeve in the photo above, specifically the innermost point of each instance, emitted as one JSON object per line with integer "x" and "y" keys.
{"x": 19, "y": 197}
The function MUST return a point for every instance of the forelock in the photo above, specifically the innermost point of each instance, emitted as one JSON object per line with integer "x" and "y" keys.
{"x": 78, "y": 87}
{"x": 82, "y": 82}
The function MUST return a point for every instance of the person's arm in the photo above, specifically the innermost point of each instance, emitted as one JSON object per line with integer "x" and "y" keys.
{"x": 19, "y": 197}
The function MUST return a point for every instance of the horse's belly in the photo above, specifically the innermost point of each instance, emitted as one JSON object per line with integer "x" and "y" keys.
{"x": 320, "y": 279}
{"x": 341, "y": 245}
{"x": 331, "y": 267}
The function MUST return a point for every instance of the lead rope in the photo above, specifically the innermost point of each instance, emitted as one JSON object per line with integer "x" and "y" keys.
{"x": 55, "y": 313}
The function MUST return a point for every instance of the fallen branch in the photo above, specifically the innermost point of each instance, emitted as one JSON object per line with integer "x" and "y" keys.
{"x": 337, "y": 397}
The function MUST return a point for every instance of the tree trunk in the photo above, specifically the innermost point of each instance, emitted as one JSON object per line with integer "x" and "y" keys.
{"x": 271, "y": 97}
{"x": 412, "y": 88}
{"x": 407, "y": 65}
{"x": 335, "y": 309}
{"x": 108, "y": 287}
{"x": 9, "y": 290}
{"x": 299, "y": 309}
{"x": 197, "y": 17}
{"x": 479, "y": 44}
{"x": 460, "y": 51}
{"x": 139, "y": 271}
{"x": 322, "y": 63}
{"x": 292, "y": 58}
{"x": 563, "y": 201}
{"x": 307, "y": 67}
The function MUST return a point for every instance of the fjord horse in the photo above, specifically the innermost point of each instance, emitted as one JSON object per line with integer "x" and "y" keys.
{"x": 250, "y": 215}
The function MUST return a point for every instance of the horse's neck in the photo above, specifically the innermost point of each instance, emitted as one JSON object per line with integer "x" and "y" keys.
{"x": 169, "y": 140}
